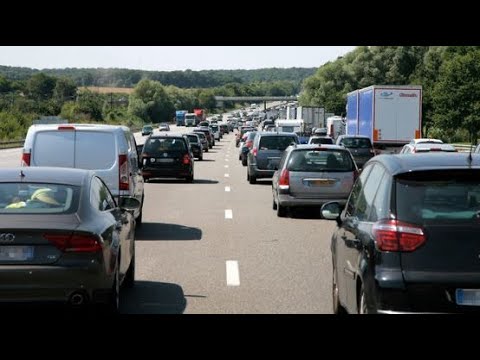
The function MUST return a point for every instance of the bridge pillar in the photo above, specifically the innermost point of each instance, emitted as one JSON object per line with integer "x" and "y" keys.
{"x": 265, "y": 105}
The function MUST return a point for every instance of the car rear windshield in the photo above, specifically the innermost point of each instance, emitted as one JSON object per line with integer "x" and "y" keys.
{"x": 214, "y": 128}
{"x": 359, "y": 143}
{"x": 201, "y": 135}
{"x": 164, "y": 145}
{"x": 38, "y": 198}
{"x": 276, "y": 142}
{"x": 321, "y": 141}
{"x": 320, "y": 161}
{"x": 438, "y": 197}
{"x": 193, "y": 138}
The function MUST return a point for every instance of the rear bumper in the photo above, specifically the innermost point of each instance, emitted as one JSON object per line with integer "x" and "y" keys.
{"x": 149, "y": 173}
{"x": 289, "y": 200}
{"x": 53, "y": 283}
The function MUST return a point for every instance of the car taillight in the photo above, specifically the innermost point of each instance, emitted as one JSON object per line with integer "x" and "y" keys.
{"x": 186, "y": 159}
{"x": 394, "y": 235}
{"x": 249, "y": 144}
{"x": 123, "y": 176}
{"x": 284, "y": 180}
{"x": 66, "y": 128}
{"x": 72, "y": 242}
{"x": 254, "y": 151}
{"x": 25, "y": 159}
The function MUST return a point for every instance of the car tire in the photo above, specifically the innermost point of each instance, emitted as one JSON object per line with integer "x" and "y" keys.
{"x": 200, "y": 158}
{"x": 244, "y": 161}
{"x": 129, "y": 281}
{"x": 363, "y": 307}
{"x": 206, "y": 150}
{"x": 113, "y": 305}
{"x": 252, "y": 180}
{"x": 139, "y": 219}
{"x": 274, "y": 204}
{"x": 281, "y": 210}
{"x": 189, "y": 179}
{"x": 337, "y": 306}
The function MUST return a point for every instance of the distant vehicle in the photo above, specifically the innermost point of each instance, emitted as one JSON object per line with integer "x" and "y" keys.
{"x": 360, "y": 147}
{"x": 335, "y": 126}
{"x": 163, "y": 127}
{"x": 190, "y": 119}
{"x": 147, "y": 130}
{"x": 200, "y": 115}
{"x": 309, "y": 175}
{"x": 387, "y": 115}
{"x": 321, "y": 140}
{"x": 208, "y": 133}
{"x": 424, "y": 147}
{"x": 246, "y": 146}
{"x": 203, "y": 140}
{"x": 195, "y": 145}
{"x": 180, "y": 117}
{"x": 63, "y": 228}
{"x": 407, "y": 239}
{"x": 290, "y": 126}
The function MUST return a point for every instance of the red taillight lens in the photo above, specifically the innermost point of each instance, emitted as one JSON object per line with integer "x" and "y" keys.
{"x": 394, "y": 235}
{"x": 284, "y": 180}
{"x": 66, "y": 127}
{"x": 186, "y": 159}
{"x": 71, "y": 242}
{"x": 25, "y": 159}
{"x": 123, "y": 176}
{"x": 249, "y": 144}
{"x": 254, "y": 151}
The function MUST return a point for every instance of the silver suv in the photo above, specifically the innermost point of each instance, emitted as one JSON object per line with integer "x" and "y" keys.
{"x": 311, "y": 175}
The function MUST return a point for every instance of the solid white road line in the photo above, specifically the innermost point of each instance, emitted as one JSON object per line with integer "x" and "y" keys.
{"x": 228, "y": 214}
{"x": 233, "y": 274}
{"x": 227, "y": 188}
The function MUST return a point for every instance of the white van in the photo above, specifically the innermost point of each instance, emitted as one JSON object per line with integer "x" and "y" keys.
{"x": 109, "y": 150}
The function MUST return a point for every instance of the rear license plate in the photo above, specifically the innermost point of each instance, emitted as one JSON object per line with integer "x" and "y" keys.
{"x": 16, "y": 253}
{"x": 319, "y": 182}
{"x": 165, "y": 160}
{"x": 469, "y": 297}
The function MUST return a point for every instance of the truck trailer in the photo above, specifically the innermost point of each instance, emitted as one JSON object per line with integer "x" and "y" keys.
{"x": 389, "y": 115}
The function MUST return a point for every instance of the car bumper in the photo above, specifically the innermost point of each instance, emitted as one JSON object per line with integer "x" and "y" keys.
{"x": 166, "y": 173}
{"x": 289, "y": 200}
{"x": 260, "y": 174}
{"x": 29, "y": 284}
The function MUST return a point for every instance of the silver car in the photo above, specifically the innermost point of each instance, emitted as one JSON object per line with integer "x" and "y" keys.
{"x": 311, "y": 175}
{"x": 63, "y": 238}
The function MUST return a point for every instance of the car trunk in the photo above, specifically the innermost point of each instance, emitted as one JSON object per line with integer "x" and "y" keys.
{"x": 324, "y": 185}
{"x": 22, "y": 239}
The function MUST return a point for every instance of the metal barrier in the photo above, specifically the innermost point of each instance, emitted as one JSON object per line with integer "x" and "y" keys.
{"x": 11, "y": 144}
{"x": 463, "y": 148}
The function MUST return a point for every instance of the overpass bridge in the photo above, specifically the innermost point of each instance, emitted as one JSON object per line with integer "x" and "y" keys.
{"x": 221, "y": 99}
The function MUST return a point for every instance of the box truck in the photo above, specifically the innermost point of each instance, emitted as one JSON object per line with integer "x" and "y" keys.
{"x": 389, "y": 115}
{"x": 313, "y": 117}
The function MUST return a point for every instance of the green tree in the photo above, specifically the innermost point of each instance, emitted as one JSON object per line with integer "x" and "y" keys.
{"x": 40, "y": 86}
{"x": 456, "y": 95}
{"x": 90, "y": 104}
{"x": 65, "y": 90}
{"x": 151, "y": 103}
{"x": 5, "y": 85}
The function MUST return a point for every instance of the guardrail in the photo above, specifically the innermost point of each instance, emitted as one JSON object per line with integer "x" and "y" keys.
{"x": 463, "y": 148}
{"x": 11, "y": 144}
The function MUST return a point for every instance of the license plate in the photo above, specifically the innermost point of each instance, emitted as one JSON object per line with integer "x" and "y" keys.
{"x": 469, "y": 297}
{"x": 16, "y": 253}
{"x": 165, "y": 160}
{"x": 319, "y": 182}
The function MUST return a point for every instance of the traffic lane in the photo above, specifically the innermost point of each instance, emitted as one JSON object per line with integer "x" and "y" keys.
{"x": 284, "y": 263}
{"x": 180, "y": 246}
{"x": 10, "y": 157}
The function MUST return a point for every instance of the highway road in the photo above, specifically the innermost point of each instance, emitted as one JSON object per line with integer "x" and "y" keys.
{"x": 216, "y": 246}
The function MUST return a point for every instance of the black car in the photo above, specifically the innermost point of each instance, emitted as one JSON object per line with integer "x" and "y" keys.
{"x": 407, "y": 240}
{"x": 195, "y": 145}
{"x": 167, "y": 156}
{"x": 63, "y": 238}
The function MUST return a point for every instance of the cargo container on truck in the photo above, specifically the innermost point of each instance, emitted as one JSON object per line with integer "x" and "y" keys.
{"x": 389, "y": 115}
{"x": 180, "y": 117}
{"x": 313, "y": 117}
{"x": 200, "y": 115}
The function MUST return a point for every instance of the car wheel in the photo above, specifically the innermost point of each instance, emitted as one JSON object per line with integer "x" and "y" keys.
{"x": 189, "y": 179}
{"x": 244, "y": 161}
{"x": 363, "y": 307}
{"x": 274, "y": 204}
{"x": 337, "y": 307}
{"x": 129, "y": 280}
{"x": 252, "y": 180}
{"x": 139, "y": 219}
{"x": 281, "y": 210}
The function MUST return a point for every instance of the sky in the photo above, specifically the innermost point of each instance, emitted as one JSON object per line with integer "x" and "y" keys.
{"x": 168, "y": 58}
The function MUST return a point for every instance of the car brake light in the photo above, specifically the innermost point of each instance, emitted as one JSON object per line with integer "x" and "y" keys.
{"x": 394, "y": 235}
{"x": 72, "y": 242}
{"x": 66, "y": 127}
{"x": 249, "y": 143}
{"x": 25, "y": 159}
{"x": 254, "y": 151}
{"x": 123, "y": 173}
{"x": 284, "y": 181}
{"x": 186, "y": 159}
{"x": 435, "y": 149}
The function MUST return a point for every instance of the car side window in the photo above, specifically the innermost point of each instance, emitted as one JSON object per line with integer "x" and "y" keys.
{"x": 356, "y": 190}
{"x": 100, "y": 196}
{"x": 367, "y": 194}
{"x": 380, "y": 208}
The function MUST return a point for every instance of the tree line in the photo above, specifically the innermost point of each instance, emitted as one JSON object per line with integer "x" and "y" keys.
{"x": 449, "y": 75}
{"x": 181, "y": 79}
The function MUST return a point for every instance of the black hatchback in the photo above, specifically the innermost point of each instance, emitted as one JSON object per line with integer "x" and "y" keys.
{"x": 167, "y": 156}
{"x": 408, "y": 238}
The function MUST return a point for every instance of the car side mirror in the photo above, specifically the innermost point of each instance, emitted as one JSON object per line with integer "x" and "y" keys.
{"x": 331, "y": 211}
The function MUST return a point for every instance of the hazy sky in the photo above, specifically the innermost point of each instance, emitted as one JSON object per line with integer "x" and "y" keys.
{"x": 167, "y": 58}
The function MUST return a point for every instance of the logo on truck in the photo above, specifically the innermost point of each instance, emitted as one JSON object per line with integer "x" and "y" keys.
{"x": 413, "y": 95}
{"x": 386, "y": 94}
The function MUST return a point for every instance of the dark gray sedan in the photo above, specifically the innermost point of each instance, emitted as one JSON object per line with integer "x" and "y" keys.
{"x": 63, "y": 238}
